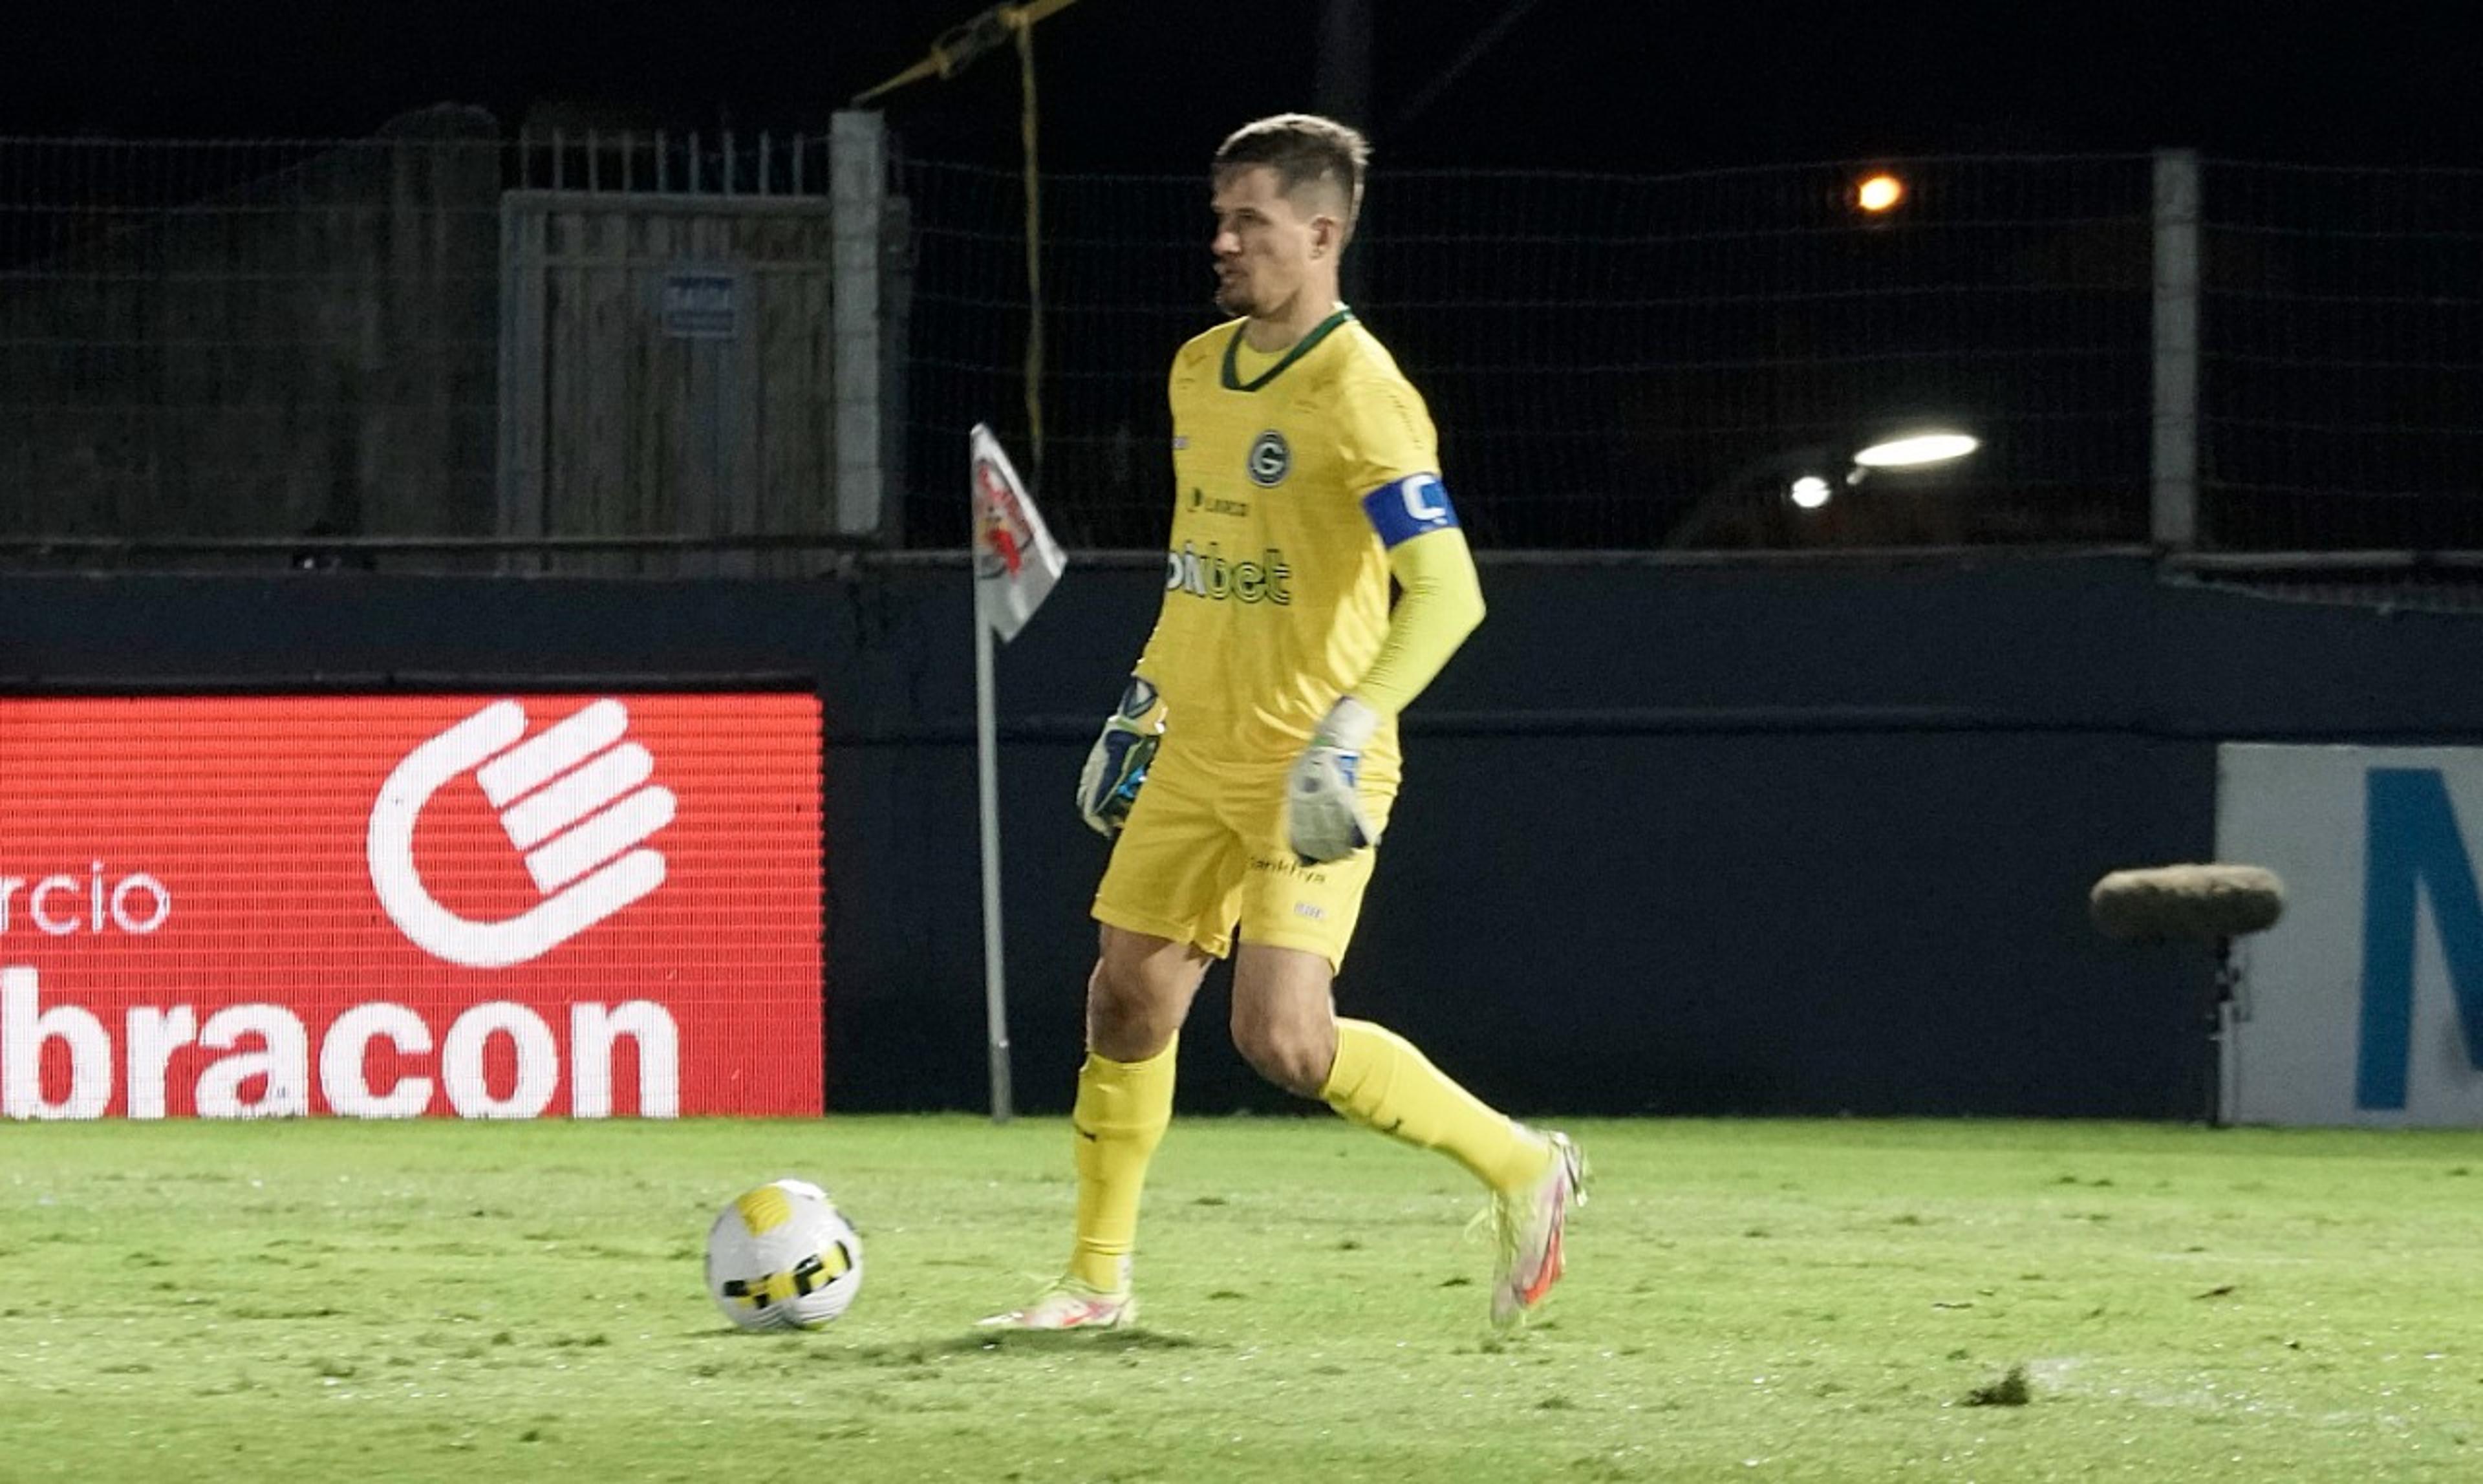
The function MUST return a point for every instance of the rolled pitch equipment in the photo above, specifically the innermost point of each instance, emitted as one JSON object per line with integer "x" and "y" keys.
{"x": 2203, "y": 903}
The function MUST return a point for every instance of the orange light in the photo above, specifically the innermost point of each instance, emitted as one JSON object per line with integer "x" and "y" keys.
{"x": 1880, "y": 192}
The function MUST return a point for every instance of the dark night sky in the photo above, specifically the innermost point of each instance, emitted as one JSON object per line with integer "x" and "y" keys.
{"x": 1152, "y": 84}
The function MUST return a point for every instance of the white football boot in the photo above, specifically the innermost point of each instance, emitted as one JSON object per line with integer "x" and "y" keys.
{"x": 1070, "y": 1305}
{"x": 1528, "y": 1228}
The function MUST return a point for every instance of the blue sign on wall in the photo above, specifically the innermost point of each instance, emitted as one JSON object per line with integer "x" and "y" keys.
{"x": 2411, "y": 844}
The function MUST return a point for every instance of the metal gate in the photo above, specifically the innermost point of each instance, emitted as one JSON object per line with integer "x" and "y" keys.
{"x": 667, "y": 370}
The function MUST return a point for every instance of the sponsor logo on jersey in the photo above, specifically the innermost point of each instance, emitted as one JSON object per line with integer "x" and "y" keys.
{"x": 1208, "y": 575}
{"x": 1199, "y": 501}
{"x": 1271, "y": 459}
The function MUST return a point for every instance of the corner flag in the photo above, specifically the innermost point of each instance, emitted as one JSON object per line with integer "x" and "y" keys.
{"x": 1016, "y": 561}
{"x": 1015, "y": 567}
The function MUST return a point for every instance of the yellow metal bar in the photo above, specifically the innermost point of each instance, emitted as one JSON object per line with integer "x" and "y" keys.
{"x": 950, "y": 54}
{"x": 928, "y": 66}
{"x": 955, "y": 48}
{"x": 1033, "y": 246}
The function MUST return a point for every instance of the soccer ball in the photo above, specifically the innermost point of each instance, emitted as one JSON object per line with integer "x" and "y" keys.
{"x": 783, "y": 1258}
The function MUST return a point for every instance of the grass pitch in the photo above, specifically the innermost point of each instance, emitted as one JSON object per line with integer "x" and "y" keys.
{"x": 1763, "y": 1301}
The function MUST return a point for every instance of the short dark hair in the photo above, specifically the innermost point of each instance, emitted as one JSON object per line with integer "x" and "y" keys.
{"x": 1302, "y": 148}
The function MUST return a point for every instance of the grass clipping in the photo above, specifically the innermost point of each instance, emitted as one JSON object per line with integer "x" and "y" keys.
{"x": 2010, "y": 1390}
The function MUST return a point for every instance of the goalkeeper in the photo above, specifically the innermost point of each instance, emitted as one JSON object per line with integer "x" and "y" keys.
{"x": 1248, "y": 770}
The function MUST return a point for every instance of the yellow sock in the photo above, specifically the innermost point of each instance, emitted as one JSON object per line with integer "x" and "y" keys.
{"x": 1123, "y": 1108}
{"x": 1381, "y": 1082}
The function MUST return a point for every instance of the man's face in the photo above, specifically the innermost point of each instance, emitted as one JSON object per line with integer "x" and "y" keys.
{"x": 1262, "y": 242}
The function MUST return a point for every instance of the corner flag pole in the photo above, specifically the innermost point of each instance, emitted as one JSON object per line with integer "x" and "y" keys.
{"x": 1016, "y": 562}
{"x": 987, "y": 779}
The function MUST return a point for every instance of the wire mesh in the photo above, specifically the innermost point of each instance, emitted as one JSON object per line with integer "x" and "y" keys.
{"x": 246, "y": 338}
{"x": 1612, "y": 361}
{"x": 229, "y": 341}
{"x": 236, "y": 340}
{"x": 2342, "y": 383}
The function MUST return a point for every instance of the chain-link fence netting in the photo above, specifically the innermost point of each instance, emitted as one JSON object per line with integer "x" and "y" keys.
{"x": 312, "y": 341}
{"x": 1611, "y": 361}
{"x": 2341, "y": 371}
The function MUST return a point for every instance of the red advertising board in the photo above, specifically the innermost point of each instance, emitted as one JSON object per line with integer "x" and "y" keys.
{"x": 397, "y": 905}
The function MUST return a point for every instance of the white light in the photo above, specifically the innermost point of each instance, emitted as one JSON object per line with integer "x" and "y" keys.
{"x": 1918, "y": 448}
{"x": 1810, "y": 491}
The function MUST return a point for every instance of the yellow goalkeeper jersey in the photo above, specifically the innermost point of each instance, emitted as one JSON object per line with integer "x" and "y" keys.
{"x": 1293, "y": 480}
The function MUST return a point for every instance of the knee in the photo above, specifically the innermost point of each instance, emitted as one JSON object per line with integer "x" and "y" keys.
{"x": 1294, "y": 1056}
{"x": 1128, "y": 1017}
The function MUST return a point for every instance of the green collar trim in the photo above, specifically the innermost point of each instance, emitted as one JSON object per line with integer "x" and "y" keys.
{"x": 1302, "y": 348}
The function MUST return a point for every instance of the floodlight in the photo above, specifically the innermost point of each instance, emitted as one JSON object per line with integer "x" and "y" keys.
{"x": 1913, "y": 450}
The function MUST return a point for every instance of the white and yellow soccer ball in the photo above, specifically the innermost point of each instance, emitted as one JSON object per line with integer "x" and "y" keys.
{"x": 783, "y": 1258}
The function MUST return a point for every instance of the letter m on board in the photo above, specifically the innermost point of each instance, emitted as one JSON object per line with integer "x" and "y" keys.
{"x": 2412, "y": 845}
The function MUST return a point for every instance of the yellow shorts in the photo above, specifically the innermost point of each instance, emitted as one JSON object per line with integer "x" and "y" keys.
{"x": 1204, "y": 851}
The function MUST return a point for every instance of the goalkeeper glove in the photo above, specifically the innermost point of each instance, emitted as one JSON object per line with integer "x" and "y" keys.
{"x": 1323, "y": 819}
{"x": 1117, "y": 763}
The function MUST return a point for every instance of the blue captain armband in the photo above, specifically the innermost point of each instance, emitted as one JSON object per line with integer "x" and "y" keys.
{"x": 1403, "y": 509}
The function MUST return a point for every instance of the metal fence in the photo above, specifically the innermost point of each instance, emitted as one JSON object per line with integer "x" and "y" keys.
{"x": 232, "y": 340}
{"x": 1611, "y": 361}
{"x": 436, "y": 348}
{"x": 2342, "y": 359}
{"x": 659, "y": 344}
